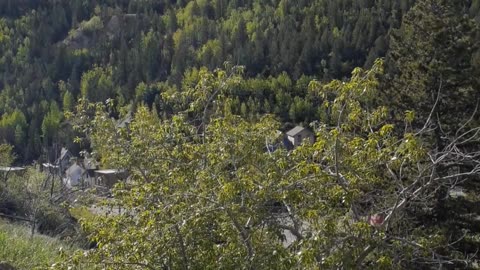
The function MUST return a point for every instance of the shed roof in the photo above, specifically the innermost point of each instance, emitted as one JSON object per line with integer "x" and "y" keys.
{"x": 11, "y": 169}
{"x": 109, "y": 171}
{"x": 294, "y": 131}
{"x": 49, "y": 165}
{"x": 64, "y": 155}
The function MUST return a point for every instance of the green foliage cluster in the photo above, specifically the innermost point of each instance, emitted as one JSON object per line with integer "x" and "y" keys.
{"x": 58, "y": 51}
{"x": 17, "y": 244}
{"x": 205, "y": 193}
{"x": 435, "y": 64}
{"x": 6, "y": 155}
{"x": 208, "y": 83}
{"x": 32, "y": 198}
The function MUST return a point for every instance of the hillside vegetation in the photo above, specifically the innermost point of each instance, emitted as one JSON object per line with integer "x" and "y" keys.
{"x": 53, "y": 52}
{"x": 24, "y": 251}
{"x": 204, "y": 103}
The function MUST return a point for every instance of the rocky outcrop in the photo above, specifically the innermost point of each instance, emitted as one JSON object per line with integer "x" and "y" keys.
{"x": 89, "y": 32}
{"x": 78, "y": 40}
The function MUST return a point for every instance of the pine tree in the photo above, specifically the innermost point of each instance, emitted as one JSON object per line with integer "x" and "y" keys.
{"x": 430, "y": 60}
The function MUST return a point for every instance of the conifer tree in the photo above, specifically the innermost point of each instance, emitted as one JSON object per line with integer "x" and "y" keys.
{"x": 430, "y": 66}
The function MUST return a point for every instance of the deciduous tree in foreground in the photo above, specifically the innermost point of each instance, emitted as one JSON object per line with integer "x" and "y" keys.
{"x": 207, "y": 194}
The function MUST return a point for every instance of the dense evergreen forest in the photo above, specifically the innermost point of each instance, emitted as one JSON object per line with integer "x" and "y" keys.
{"x": 53, "y": 52}
{"x": 391, "y": 89}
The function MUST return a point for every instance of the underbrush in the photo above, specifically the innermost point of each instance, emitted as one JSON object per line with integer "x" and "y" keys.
{"x": 39, "y": 221}
{"x": 31, "y": 198}
{"x": 23, "y": 250}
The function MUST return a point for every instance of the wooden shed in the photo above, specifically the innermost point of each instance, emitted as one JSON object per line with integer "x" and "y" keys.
{"x": 109, "y": 177}
{"x": 298, "y": 134}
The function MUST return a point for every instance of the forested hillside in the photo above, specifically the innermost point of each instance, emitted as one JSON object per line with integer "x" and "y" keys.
{"x": 53, "y": 52}
{"x": 193, "y": 100}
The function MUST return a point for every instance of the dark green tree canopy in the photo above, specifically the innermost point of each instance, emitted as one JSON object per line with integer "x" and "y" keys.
{"x": 433, "y": 64}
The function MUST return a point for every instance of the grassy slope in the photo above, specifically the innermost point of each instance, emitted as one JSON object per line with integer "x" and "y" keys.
{"x": 18, "y": 248}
